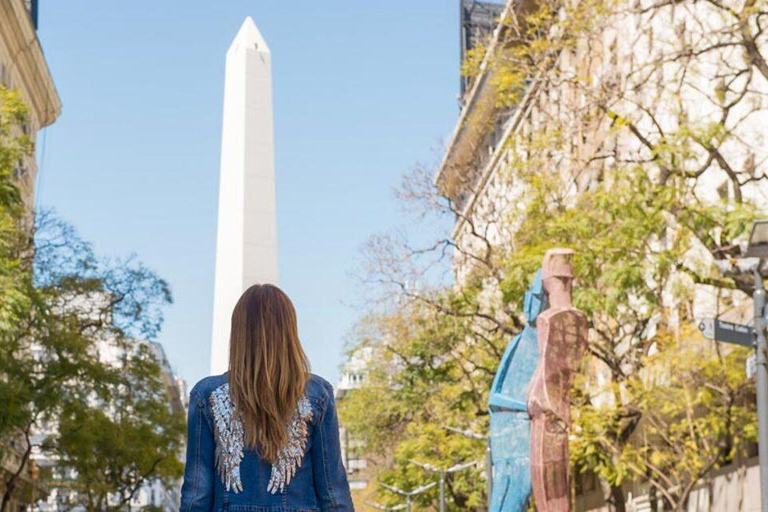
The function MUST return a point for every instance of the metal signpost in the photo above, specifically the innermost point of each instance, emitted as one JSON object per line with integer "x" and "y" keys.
{"x": 752, "y": 336}
{"x": 747, "y": 336}
{"x": 762, "y": 386}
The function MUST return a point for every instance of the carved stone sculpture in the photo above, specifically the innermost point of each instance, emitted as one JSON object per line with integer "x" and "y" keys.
{"x": 562, "y": 338}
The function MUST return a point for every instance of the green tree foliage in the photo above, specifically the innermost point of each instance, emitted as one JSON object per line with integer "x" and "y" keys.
{"x": 135, "y": 440}
{"x": 14, "y": 146}
{"x": 424, "y": 376}
{"x": 17, "y": 297}
{"x": 697, "y": 413}
{"x": 62, "y": 311}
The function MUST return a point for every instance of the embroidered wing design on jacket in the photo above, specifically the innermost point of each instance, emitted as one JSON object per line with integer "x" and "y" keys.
{"x": 230, "y": 438}
{"x": 230, "y": 443}
{"x": 289, "y": 459}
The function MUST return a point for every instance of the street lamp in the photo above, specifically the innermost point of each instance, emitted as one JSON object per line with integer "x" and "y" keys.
{"x": 442, "y": 473}
{"x": 488, "y": 459}
{"x": 408, "y": 494}
{"x": 758, "y": 248}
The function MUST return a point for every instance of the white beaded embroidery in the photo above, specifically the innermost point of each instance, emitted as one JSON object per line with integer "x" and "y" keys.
{"x": 230, "y": 443}
{"x": 230, "y": 439}
{"x": 289, "y": 460}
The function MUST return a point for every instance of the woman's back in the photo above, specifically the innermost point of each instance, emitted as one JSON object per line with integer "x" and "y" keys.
{"x": 264, "y": 436}
{"x": 223, "y": 474}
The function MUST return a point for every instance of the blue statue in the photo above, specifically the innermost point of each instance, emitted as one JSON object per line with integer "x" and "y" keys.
{"x": 510, "y": 422}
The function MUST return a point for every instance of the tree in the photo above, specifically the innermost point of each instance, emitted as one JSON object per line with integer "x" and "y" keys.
{"x": 58, "y": 373}
{"x": 135, "y": 440}
{"x": 639, "y": 147}
{"x": 61, "y": 309}
{"x": 116, "y": 431}
{"x": 422, "y": 377}
{"x": 698, "y": 415}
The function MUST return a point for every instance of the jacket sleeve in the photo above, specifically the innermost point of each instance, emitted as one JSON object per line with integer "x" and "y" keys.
{"x": 330, "y": 477}
{"x": 199, "y": 472}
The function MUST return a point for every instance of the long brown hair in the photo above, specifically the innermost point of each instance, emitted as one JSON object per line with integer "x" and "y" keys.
{"x": 268, "y": 369}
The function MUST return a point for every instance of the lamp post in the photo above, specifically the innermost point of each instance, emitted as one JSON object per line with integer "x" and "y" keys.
{"x": 408, "y": 494}
{"x": 758, "y": 248}
{"x": 442, "y": 473}
{"x": 488, "y": 459}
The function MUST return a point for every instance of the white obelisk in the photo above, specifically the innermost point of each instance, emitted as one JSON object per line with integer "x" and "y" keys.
{"x": 246, "y": 245}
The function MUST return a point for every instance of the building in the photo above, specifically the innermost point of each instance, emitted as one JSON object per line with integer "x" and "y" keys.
{"x": 473, "y": 174}
{"x": 23, "y": 67}
{"x": 155, "y": 494}
{"x": 175, "y": 386}
{"x": 354, "y": 374}
{"x": 478, "y": 20}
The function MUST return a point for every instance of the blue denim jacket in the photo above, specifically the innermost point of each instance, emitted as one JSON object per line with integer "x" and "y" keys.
{"x": 222, "y": 474}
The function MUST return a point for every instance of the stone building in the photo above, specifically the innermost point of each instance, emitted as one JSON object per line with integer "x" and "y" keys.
{"x": 23, "y": 67}
{"x": 474, "y": 174}
{"x": 354, "y": 374}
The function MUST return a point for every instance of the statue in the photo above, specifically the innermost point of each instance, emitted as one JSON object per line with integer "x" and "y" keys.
{"x": 562, "y": 338}
{"x": 529, "y": 401}
{"x": 510, "y": 422}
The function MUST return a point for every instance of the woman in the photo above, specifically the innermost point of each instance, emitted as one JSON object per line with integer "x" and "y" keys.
{"x": 264, "y": 436}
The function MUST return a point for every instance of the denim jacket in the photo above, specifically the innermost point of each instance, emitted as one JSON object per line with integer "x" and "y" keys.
{"x": 223, "y": 474}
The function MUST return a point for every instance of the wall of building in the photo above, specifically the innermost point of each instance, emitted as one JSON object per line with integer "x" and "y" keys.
{"x": 353, "y": 376}
{"x": 23, "y": 67}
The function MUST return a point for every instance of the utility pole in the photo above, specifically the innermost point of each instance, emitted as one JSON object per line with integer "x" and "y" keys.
{"x": 442, "y": 473}
{"x": 745, "y": 335}
{"x": 408, "y": 495}
{"x": 761, "y": 382}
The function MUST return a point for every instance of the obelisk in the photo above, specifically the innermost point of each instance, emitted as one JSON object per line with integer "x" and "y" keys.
{"x": 246, "y": 244}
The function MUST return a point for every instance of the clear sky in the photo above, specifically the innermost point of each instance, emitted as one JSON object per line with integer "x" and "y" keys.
{"x": 362, "y": 89}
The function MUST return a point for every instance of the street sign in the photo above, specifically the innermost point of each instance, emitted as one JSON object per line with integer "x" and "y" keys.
{"x": 728, "y": 332}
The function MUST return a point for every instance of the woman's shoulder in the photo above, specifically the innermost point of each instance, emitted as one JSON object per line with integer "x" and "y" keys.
{"x": 318, "y": 388}
{"x": 206, "y": 386}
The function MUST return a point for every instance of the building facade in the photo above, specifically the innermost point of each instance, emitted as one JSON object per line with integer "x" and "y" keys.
{"x": 478, "y": 21}
{"x": 23, "y": 67}
{"x": 354, "y": 375}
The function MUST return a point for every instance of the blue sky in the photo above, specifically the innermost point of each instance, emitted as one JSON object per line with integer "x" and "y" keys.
{"x": 363, "y": 90}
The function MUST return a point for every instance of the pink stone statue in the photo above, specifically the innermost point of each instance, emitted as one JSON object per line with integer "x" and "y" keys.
{"x": 562, "y": 338}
